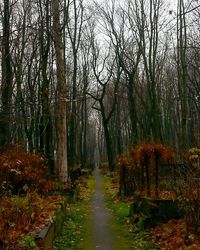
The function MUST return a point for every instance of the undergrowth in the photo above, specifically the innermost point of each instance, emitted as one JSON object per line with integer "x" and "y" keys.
{"x": 75, "y": 234}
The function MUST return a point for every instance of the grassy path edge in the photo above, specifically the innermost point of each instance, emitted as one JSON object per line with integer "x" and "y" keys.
{"x": 76, "y": 231}
{"x": 128, "y": 237}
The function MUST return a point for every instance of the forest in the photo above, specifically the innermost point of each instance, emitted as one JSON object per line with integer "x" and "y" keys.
{"x": 109, "y": 84}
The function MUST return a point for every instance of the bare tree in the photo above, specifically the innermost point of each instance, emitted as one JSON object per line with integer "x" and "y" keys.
{"x": 128, "y": 54}
{"x": 7, "y": 77}
{"x": 147, "y": 23}
{"x": 61, "y": 108}
{"x": 103, "y": 70}
{"x": 46, "y": 130}
{"x": 74, "y": 27}
{"x": 182, "y": 72}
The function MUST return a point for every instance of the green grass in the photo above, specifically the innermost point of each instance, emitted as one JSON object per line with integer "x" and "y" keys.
{"x": 76, "y": 231}
{"x": 128, "y": 236}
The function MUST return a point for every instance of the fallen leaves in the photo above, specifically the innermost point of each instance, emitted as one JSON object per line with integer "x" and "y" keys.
{"x": 172, "y": 235}
{"x": 21, "y": 171}
{"x": 25, "y": 215}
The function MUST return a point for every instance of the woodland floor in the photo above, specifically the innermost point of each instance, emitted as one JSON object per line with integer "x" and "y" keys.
{"x": 105, "y": 234}
{"x": 99, "y": 219}
{"x": 91, "y": 223}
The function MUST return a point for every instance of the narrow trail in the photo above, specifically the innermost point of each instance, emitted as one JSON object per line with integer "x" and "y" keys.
{"x": 102, "y": 236}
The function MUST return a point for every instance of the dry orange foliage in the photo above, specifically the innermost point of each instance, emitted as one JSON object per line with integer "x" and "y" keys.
{"x": 24, "y": 216}
{"x": 20, "y": 170}
{"x": 140, "y": 167}
{"x": 173, "y": 235}
{"x": 153, "y": 151}
{"x": 25, "y": 204}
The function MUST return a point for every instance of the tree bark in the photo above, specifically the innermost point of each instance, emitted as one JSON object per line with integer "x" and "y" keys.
{"x": 6, "y": 90}
{"x": 46, "y": 133}
{"x": 182, "y": 73}
{"x": 74, "y": 32}
{"x": 61, "y": 103}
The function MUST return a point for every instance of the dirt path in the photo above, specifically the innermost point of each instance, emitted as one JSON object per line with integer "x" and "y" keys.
{"x": 102, "y": 236}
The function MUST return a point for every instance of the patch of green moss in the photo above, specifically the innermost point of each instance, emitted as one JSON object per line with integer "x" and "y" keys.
{"x": 127, "y": 235}
{"x": 28, "y": 242}
{"x": 76, "y": 231}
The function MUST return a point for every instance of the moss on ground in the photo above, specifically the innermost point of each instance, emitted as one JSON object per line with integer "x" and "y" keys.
{"x": 76, "y": 231}
{"x": 127, "y": 235}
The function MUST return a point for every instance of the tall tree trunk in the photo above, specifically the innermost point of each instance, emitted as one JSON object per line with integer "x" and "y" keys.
{"x": 61, "y": 105}
{"x": 182, "y": 73}
{"x": 46, "y": 130}
{"x": 6, "y": 90}
{"x": 74, "y": 26}
{"x": 132, "y": 109}
{"x": 83, "y": 145}
{"x": 109, "y": 148}
{"x": 119, "y": 140}
{"x": 73, "y": 118}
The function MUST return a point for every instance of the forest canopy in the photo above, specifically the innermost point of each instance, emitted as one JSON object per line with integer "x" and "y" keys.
{"x": 85, "y": 81}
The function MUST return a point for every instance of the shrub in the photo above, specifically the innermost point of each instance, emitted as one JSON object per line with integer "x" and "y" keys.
{"x": 20, "y": 171}
{"x": 126, "y": 176}
{"x": 139, "y": 169}
{"x": 23, "y": 216}
{"x": 190, "y": 193}
{"x": 194, "y": 158}
{"x": 190, "y": 204}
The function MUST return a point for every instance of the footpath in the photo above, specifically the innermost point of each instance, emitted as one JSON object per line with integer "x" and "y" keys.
{"x": 101, "y": 234}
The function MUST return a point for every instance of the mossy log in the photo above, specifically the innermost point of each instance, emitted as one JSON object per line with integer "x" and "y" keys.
{"x": 44, "y": 238}
{"x": 152, "y": 212}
